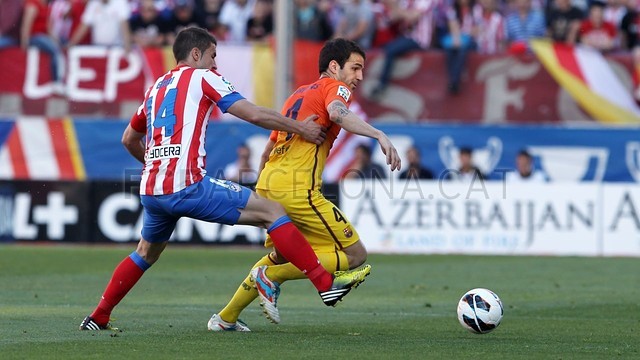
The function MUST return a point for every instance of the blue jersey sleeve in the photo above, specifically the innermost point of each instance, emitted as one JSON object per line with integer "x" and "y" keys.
{"x": 229, "y": 100}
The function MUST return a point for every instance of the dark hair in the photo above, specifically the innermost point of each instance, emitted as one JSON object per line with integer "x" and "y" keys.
{"x": 414, "y": 148}
{"x": 466, "y": 150}
{"x": 524, "y": 153}
{"x": 458, "y": 9}
{"x": 189, "y": 38}
{"x": 339, "y": 50}
{"x": 366, "y": 149}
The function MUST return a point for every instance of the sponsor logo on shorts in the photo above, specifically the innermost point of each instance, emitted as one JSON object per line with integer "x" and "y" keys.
{"x": 344, "y": 92}
{"x": 348, "y": 232}
{"x": 227, "y": 184}
{"x": 164, "y": 152}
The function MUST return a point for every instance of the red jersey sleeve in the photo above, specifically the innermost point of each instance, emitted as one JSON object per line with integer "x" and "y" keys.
{"x": 139, "y": 120}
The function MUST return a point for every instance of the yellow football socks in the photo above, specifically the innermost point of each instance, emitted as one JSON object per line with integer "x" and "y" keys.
{"x": 246, "y": 293}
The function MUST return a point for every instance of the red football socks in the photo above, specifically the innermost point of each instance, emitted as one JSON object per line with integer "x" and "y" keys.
{"x": 294, "y": 247}
{"x": 124, "y": 277}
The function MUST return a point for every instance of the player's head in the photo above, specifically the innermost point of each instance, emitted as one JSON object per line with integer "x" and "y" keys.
{"x": 596, "y": 12}
{"x": 363, "y": 154}
{"x": 342, "y": 60}
{"x": 466, "y": 157}
{"x": 195, "y": 47}
{"x": 524, "y": 162}
{"x": 413, "y": 156}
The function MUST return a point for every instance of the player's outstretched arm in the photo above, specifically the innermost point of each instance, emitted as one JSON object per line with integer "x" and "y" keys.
{"x": 341, "y": 115}
{"x": 273, "y": 120}
{"x": 132, "y": 141}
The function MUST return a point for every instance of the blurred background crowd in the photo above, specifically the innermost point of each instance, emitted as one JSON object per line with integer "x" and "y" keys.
{"x": 487, "y": 26}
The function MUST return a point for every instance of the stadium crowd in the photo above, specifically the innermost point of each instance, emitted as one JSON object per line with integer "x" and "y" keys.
{"x": 489, "y": 26}
{"x": 393, "y": 26}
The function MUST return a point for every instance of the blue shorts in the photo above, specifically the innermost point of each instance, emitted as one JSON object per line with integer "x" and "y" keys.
{"x": 211, "y": 200}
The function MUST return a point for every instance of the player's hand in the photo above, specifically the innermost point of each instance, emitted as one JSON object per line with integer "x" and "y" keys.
{"x": 393, "y": 159}
{"x": 311, "y": 131}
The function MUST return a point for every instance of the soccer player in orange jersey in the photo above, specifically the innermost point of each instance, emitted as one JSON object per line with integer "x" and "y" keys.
{"x": 292, "y": 175}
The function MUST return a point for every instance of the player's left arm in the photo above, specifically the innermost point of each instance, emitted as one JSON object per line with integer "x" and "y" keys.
{"x": 134, "y": 133}
{"x": 340, "y": 114}
{"x": 132, "y": 141}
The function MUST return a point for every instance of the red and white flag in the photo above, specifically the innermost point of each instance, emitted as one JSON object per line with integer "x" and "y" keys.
{"x": 586, "y": 75}
{"x": 40, "y": 149}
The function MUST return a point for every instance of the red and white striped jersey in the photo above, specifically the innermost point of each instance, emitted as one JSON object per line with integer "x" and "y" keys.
{"x": 490, "y": 34}
{"x": 422, "y": 30}
{"x": 175, "y": 114}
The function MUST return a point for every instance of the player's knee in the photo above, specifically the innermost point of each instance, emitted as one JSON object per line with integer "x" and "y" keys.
{"x": 276, "y": 211}
{"x": 150, "y": 252}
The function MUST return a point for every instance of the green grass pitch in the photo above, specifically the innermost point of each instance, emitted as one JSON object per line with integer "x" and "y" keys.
{"x": 555, "y": 308}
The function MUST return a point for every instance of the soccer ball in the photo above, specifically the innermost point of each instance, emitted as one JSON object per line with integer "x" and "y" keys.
{"x": 480, "y": 311}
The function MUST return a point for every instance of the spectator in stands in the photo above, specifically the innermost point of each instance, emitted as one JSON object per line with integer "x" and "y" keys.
{"x": 595, "y": 32}
{"x": 630, "y": 40}
{"x": 311, "y": 22}
{"x": 108, "y": 21}
{"x": 10, "y": 17}
{"x": 583, "y": 5}
{"x": 235, "y": 15}
{"x": 630, "y": 27}
{"x": 36, "y": 31}
{"x": 357, "y": 23}
{"x": 241, "y": 171}
{"x": 183, "y": 16}
{"x": 459, "y": 40}
{"x": 467, "y": 170}
{"x": 417, "y": 24}
{"x": 59, "y": 20}
{"x": 65, "y": 18}
{"x": 524, "y": 171}
{"x": 523, "y": 24}
{"x": 563, "y": 22}
{"x": 76, "y": 9}
{"x": 148, "y": 28}
{"x": 363, "y": 167}
{"x": 415, "y": 169}
{"x": 387, "y": 22}
{"x": 210, "y": 10}
{"x": 490, "y": 33}
{"x": 614, "y": 11}
{"x": 260, "y": 24}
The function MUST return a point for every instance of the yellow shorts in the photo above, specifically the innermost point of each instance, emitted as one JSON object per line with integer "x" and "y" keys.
{"x": 320, "y": 221}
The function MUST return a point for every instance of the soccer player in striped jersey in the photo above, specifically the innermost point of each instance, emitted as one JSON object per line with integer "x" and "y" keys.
{"x": 292, "y": 176}
{"x": 174, "y": 117}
